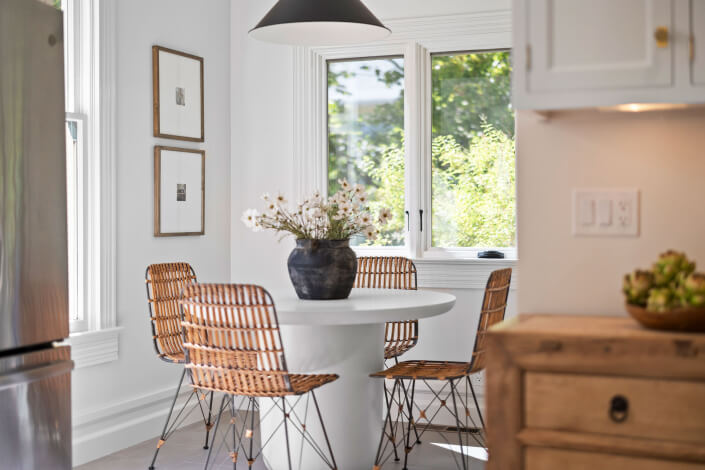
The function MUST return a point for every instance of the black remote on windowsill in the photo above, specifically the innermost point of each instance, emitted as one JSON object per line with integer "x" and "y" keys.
{"x": 492, "y": 254}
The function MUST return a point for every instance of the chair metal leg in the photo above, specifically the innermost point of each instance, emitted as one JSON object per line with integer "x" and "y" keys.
{"x": 215, "y": 430}
{"x": 208, "y": 420}
{"x": 410, "y": 403}
{"x": 389, "y": 400}
{"x": 416, "y": 431}
{"x": 458, "y": 424}
{"x": 325, "y": 434}
{"x": 233, "y": 454}
{"x": 286, "y": 431}
{"x": 378, "y": 456}
{"x": 474, "y": 397}
{"x": 162, "y": 437}
{"x": 252, "y": 427}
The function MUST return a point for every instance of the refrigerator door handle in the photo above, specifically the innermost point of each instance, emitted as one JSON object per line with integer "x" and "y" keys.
{"x": 35, "y": 373}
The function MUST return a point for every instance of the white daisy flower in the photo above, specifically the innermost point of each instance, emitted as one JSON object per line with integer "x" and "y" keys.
{"x": 385, "y": 215}
{"x": 371, "y": 233}
{"x": 365, "y": 219}
{"x": 272, "y": 207}
{"x": 249, "y": 218}
{"x": 280, "y": 199}
{"x": 344, "y": 184}
{"x": 266, "y": 197}
{"x": 345, "y": 208}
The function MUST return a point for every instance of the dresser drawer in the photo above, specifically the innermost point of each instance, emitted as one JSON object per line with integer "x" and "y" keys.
{"x": 538, "y": 458}
{"x": 642, "y": 408}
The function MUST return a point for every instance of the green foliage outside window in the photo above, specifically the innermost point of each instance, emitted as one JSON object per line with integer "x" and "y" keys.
{"x": 473, "y": 156}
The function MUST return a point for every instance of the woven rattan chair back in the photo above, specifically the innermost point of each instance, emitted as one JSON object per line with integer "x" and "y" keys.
{"x": 164, "y": 285}
{"x": 391, "y": 272}
{"x": 385, "y": 272}
{"x": 494, "y": 306}
{"x": 232, "y": 340}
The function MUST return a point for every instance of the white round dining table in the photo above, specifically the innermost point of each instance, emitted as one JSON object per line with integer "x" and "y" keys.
{"x": 345, "y": 337}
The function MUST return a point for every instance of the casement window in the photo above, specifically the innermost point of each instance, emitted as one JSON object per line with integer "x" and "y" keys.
{"x": 424, "y": 121}
{"x": 88, "y": 77}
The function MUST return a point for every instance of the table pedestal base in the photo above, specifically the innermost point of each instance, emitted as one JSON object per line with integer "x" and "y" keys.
{"x": 352, "y": 406}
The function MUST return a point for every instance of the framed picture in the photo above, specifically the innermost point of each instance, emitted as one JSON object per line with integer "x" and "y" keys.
{"x": 178, "y": 95}
{"x": 179, "y": 191}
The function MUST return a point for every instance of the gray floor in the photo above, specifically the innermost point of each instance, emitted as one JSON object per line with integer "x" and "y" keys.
{"x": 183, "y": 451}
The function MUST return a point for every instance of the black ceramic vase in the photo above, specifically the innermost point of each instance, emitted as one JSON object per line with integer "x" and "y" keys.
{"x": 322, "y": 269}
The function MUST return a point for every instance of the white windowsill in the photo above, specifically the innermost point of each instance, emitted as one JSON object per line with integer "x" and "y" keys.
{"x": 451, "y": 269}
{"x": 90, "y": 348}
{"x": 461, "y": 273}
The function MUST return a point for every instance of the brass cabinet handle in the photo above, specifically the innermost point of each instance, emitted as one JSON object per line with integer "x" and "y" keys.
{"x": 661, "y": 35}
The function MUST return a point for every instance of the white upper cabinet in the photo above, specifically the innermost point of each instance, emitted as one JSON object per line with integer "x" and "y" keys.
{"x": 577, "y": 53}
{"x": 697, "y": 41}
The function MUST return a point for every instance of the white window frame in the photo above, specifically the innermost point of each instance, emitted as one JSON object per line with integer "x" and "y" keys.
{"x": 91, "y": 50}
{"x": 416, "y": 39}
{"x": 78, "y": 321}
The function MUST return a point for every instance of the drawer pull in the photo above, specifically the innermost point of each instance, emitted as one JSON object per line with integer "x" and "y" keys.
{"x": 619, "y": 409}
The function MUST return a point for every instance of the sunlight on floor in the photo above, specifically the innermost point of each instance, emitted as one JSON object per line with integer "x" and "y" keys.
{"x": 478, "y": 453}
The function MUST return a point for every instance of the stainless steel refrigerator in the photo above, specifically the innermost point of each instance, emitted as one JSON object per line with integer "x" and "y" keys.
{"x": 35, "y": 373}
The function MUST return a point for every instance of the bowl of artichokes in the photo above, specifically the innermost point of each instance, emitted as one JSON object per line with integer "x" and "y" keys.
{"x": 670, "y": 296}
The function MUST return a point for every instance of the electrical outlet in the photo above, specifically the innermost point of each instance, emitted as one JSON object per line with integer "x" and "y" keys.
{"x": 606, "y": 212}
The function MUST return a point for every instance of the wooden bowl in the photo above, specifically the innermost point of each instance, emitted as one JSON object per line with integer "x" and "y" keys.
{"x": 684, "y": 319}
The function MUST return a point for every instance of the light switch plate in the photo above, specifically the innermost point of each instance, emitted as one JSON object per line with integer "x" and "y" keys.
{"x": 606, "y": 212}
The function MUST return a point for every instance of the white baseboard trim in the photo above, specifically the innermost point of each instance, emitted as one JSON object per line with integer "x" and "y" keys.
{"x": 103, "y": 431}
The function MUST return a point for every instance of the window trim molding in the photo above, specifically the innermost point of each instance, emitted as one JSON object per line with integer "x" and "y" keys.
{"x": 99, "y": 343}
{"x": 416, "y": 39}
{"x": 104, "y": 87}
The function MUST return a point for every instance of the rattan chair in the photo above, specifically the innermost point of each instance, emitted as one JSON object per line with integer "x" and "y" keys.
{"x": 164, "y": 285}
{"x": 393, "y": 272}
{"x": 454, "y": 374}
{"x": 233, "y": 345}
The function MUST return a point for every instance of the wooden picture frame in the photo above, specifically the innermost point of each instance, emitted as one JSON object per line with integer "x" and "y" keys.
{"x": 174, "y": 216}
{"x": 176, "y": 115}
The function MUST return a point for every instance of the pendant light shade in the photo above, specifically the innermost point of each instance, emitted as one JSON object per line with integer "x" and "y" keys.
{"x": 319, "y": 23}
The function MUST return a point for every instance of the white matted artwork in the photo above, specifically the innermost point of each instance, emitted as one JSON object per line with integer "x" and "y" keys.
{"x": 179, "y": 191}
{"x": 178, "y": 95}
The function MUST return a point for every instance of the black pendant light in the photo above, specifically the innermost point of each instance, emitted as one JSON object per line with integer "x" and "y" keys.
{"x": 319, "y": 23}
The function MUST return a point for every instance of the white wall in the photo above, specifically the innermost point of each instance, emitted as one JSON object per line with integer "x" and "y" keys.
{"x": 124, "y": 402}
{"x": 660, "y": 153}
{"x": 262, "y": 154}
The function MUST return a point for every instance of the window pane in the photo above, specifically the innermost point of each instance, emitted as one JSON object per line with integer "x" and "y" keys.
{"x": 74, "y": 137}
{"x": 366, "y": 136}
{"x": 473, "y": 158}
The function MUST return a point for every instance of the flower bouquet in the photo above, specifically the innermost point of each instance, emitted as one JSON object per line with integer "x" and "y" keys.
{"x": 322, "y": 266}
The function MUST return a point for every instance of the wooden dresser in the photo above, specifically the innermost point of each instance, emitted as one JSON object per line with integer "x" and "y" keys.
{"x": 594, "y": 393}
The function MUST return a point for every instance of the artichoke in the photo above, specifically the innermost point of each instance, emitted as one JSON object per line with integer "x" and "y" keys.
{"x": 661, "y": 299}
{"x": 670, "y": 266}
{"x": 692, "y": 291}
{"x": 636, "y": 287}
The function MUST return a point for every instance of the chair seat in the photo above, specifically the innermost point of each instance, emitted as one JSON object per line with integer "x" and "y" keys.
{"x": 300, "y": 384}
{"x": 304, "y": 383}
{"x": 392, "y": 351}
{"x": 425, "y": 370}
